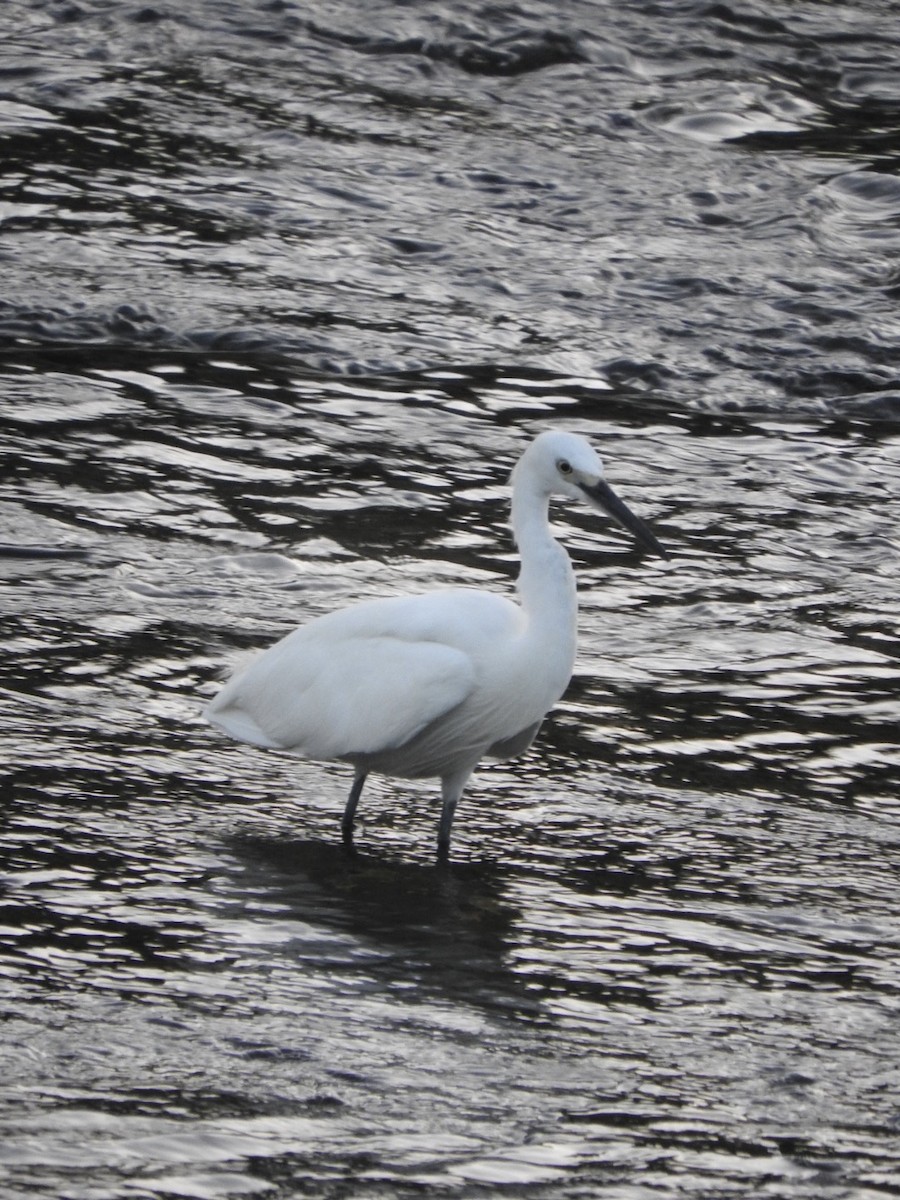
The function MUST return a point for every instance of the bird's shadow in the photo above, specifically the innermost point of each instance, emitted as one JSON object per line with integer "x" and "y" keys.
{"x": 435, "y": 930}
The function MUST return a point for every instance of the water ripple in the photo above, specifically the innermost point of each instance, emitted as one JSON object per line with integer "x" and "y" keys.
{"x": 285, "y": 293}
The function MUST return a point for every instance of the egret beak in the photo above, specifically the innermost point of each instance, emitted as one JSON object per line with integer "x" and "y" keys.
{"x": 603, "y": 497}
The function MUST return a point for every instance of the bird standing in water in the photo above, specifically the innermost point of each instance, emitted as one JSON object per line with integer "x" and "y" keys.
{"x": 428, "y": 685}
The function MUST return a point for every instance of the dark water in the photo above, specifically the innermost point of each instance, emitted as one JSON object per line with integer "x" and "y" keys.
{"x": 285, "y": 290}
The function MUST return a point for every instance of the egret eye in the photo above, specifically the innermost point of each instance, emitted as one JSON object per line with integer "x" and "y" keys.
{"x": 564, "y": 468}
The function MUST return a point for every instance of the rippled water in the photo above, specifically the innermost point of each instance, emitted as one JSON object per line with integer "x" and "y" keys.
{"x": 286, "y": 289}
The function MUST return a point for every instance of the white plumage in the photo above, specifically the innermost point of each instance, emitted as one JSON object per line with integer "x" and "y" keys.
{"x": 427, "y": 685}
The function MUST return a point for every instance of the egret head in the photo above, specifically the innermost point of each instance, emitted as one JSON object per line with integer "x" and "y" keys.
{"x": 564, "y": 464}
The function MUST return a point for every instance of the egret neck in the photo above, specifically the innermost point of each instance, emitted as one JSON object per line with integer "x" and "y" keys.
{"x": 546, "y": 583}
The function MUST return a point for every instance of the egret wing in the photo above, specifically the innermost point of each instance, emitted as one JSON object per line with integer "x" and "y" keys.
{"x": 353, "y": 695}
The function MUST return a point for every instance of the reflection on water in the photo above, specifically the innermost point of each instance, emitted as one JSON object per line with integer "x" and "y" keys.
{"x": 411, "y": 927}
{"x": 285, "y": 293}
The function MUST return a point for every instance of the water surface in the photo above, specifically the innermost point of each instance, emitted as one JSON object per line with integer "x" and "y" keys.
{"x": 286, "y": 291}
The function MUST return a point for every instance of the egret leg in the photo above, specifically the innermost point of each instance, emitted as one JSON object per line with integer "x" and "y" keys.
{"x": 451, "y": 789}
{"x": 350, "y": 810}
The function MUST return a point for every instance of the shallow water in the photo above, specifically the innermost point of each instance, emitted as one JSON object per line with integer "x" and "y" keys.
{"x": 286, "y": 291}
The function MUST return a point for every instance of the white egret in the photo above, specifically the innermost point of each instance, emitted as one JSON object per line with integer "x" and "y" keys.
{"x": 427, "y": 685}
